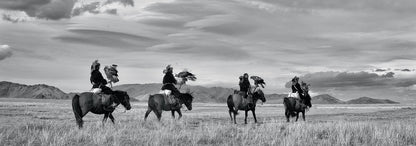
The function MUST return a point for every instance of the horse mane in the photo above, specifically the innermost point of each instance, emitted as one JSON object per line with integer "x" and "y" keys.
{"x": 119, "y": 94}
{"x": 257, "y": 95}
{"x": 186, "y": 96}
{"x": 259, "y": 92}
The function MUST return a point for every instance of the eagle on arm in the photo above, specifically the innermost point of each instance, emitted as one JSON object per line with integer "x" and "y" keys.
{"x": 185, "y": 76}
{"x": 258, "y": 81}
{"x": 112, "y": 73}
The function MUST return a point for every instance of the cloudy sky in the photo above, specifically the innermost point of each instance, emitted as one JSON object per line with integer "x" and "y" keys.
{"x": 346, "y": 48}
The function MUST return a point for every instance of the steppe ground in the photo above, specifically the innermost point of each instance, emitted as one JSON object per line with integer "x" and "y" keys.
{"x": 51, "y": 122}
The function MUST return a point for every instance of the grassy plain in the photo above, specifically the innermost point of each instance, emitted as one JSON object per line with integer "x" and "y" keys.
{"x": 51, "y": 122}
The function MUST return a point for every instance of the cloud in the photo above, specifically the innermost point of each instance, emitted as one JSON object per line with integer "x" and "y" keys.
{"x": 215, "y": 50}
{"x": 46, "y": 9}
{"x": 22, "y": 4}
{"x": 388, "y": 75}
{"x": 124, "y": 2}
{"x": 380, "y": 70}
{"x": 91, "y": 8}
{"x": 5, "y": 52}
{"x": 106, "y": 38}
{"x": 111, "y": 11}
{"x": 98, "y": 7}
{"x": 9, "y": 18}
{"x": 385, "y": 5}
{"x": 58, "y": 9}
{"x": 340, "y": 80}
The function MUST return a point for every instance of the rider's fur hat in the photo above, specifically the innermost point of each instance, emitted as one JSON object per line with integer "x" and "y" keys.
{"x": 245, "y": 75}
{"x": 95, "y": 65}
{"x": 295, "y": 79}
{"x": 168, "y": 69}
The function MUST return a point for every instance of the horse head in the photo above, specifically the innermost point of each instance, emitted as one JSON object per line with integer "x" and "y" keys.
{"x": 307, "y": 97}
{"x": 123, "y": 98}
{"x": 258, "y": 94}
{"x": 187, "y": 99}
{"x": 305, "y": 87}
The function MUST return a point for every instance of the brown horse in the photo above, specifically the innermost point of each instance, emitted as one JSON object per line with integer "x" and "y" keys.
{"x": 157, "y": 104}
{"x": 87, "y": 101}
{"x": 236, "y": 102}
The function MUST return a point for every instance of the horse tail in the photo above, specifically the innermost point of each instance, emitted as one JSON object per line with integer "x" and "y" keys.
{"x": 231, "y": 105}
{"x": 76, "y": 108}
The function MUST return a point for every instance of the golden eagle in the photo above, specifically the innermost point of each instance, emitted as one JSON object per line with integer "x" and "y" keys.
{"x": 258, "y": 81}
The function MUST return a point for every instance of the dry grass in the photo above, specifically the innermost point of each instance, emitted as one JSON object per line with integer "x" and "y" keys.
{"x": 36, "y": 124}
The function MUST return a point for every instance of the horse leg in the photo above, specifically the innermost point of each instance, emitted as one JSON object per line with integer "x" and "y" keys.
{"x": 245, "y": 119}
{"x": 180, "y": 113}
{"x": 111, "y": 118}
{"x": 147, "y": 113}
{"x": 287, "y": 114}
{"x": 297, "y": 116}
{"x": 173, "y": 114}
{"x": 303, "y": 115}
{"x": 105, "y": 118}
{"x": 235, "y": 121}
{"x": 254, "y": 115}
{"x": 158, "y": 114}
{"x": 229, "y": 111}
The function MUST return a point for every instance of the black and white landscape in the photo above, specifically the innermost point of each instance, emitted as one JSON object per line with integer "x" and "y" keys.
{"x": 358, "y": 56}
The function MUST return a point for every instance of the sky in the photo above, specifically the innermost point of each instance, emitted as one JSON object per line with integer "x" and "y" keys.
{"x": 348, "y": 49}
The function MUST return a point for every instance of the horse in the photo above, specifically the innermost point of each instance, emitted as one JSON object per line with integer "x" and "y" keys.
{"x": 294, "y": 106}
{"x": 236, "y": 102}
{"x": 157, "y": 104}
{"x": 89, "y": 102}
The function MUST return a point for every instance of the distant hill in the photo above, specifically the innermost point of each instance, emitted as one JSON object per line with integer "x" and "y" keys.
{"x": 368, "y": 100}
{"x": 275, "y": 98}
{"x": 141, "y": 92}
{"x": 40, "y": 91}
{"x": 326, "y": 99}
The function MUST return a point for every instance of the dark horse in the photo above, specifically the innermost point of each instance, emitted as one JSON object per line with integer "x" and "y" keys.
{"x": 236, "y": 102}
{"x": 87, "y": 101}
{"x": 294, "y": 106}
{"x": 157, "y": 103}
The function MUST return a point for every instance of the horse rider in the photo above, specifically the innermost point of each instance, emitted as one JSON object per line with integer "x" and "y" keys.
{"x": 99, "y": 86}
{"x": 244, "y": 85}
{"x": 169, "y": 88}
{"x": 296, "y": 89}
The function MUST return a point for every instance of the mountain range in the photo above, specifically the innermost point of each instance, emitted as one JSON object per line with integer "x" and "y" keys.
{"x": 328, "y": 99}
{"x": 40, "y": 91}
{"x": 141, "y": 92}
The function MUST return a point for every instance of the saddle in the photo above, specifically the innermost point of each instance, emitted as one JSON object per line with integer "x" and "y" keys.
{"x": 96, "y": 90}
{"x": 245, "y": 97}
{"x": 169, "y": 97}
{"x": 107, "y": 101}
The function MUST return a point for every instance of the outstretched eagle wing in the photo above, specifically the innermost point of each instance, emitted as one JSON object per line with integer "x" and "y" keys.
{"x": 258, "y": 80}
{"x": 186, "y": 75}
